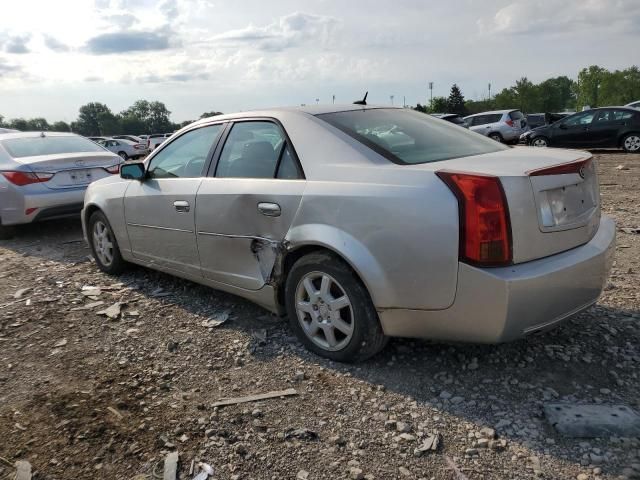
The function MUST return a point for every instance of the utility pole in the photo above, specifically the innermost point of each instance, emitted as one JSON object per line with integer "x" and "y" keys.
{"x": 334, "y": 99}
{"x": 317, "y": 100}
{"x": 404, "y": 101}
{"x": 391, "y": 97}
{"x": 489, "y": 91}
{"x": 431, "y": 95}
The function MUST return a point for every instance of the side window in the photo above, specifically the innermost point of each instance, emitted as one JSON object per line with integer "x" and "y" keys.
{"x": 605, "y": 116}
{"x": 288, "y": 167}
{"x": 584, "y": 118}
{"x": 251, "y": 151}
{"x": 619, "y": 115}
{"x": 186, "y": 156}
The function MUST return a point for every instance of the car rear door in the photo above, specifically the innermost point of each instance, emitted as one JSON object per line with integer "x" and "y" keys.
{"x": 608, "y": 125}
{"x": 574, "y": 131}
{"x": 160, "y": 211}
{"x": 247, "y": 204}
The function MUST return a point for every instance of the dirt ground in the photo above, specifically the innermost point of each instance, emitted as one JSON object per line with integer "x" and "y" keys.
{"x": 85, "y": 396}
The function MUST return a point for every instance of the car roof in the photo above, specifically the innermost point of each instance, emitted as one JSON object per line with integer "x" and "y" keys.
{"x": 37, "y": 134}
{"x": 494, "y": 112}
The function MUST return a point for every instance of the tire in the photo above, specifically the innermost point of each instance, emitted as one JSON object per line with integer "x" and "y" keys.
{"x": 108, "y": 259}
{"x": 124, "y": 156}
{"x": 495, "y": 136}
{"x": 631, "y": 143}
{"x": 540, "y": 142}
{"x": 359, "y": 335}
{"x": 7, "y": 232}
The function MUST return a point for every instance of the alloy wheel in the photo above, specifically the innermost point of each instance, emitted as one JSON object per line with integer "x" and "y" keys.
{"x": 632, "y": 143}
{"x": 539, "y": 142}
{"x": 324, "y": 311}
{"x": 103, "y": 243}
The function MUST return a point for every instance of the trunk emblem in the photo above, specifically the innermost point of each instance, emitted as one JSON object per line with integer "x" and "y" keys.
{"x": 581, "y": 172}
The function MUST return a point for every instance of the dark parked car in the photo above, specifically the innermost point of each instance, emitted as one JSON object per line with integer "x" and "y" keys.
{"x": 451, "y": 117}
{"x": 607, "y": 127}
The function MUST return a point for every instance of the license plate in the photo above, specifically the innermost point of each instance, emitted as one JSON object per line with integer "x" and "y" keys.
{"x": 80, "y": 176}
{"x": 566, "y": 204}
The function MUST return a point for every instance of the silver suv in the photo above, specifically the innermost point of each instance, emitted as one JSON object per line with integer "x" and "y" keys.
{"x": 500, "y": 125}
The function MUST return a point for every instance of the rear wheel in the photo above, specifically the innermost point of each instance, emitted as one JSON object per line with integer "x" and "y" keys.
{"x": 540, "y": 142}
{"x": 104, "y": 245}
{"x": 496, "y": 136}
{"x": 631, "y": 143}
{"x": 123, "y": 155}
{"x": 330, "y": 310}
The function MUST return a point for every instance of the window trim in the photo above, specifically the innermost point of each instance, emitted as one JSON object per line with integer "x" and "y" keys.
{"x": 213, "y": 166}
{"x": 208, "y": 159}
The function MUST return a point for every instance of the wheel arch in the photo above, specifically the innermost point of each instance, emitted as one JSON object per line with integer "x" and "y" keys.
{"x": 313, "y": 238}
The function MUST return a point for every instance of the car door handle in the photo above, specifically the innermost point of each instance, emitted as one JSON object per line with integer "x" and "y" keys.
{"x": 181, "y": 206}
{"x": 269, "y": 209}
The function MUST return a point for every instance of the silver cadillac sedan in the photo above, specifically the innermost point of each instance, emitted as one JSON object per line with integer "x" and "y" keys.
{"x": 43, "y": 175}
{"x": 363, "y": 223}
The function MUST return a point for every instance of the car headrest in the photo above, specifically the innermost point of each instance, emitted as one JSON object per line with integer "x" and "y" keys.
{"x": 258, "y": 150}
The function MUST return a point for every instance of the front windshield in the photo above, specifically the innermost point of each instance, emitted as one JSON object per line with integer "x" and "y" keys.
{"x": 410, "y": 137}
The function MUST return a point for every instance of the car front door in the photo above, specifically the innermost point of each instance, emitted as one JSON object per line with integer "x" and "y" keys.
{"x": 160, "y": 211}
{"x": 607, "y": 127}
{"x": 246, "y": 206}
{"x": 574, "y": 131}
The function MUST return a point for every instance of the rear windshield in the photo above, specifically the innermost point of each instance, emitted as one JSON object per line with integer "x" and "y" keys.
{"x": 409, "y": 137}
{"x": 35, "y": 146}
{"x": 517, "y": 115}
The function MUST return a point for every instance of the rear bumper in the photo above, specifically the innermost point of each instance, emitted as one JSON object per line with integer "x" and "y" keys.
{"x": 501, "y": 304}
{"x": 48, "y": 204}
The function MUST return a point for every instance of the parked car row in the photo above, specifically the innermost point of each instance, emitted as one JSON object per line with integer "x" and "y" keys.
{"x": 127, "y": 146}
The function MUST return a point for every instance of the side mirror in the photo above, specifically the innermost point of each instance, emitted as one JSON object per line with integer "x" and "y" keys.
{"x": 132, "y": 171}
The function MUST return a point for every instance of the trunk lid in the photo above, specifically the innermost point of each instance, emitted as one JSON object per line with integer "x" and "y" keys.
{"x": 71, "y": 169}
{"x": 551, "y": 209}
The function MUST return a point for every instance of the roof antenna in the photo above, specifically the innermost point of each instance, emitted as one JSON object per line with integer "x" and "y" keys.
{"x": 363, "y": 101}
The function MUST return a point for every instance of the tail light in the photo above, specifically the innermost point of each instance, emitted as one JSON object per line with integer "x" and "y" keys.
{"x": 139, "y": 146}
{"x": 113, "y": 169}
{"x": 509, "y": 122}
{"x": 26, "y": 178}
{"x": 485, "y": 230}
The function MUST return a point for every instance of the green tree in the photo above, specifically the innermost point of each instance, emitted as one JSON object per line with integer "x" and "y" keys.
{"x": 455, "y": 102}
{"x": 210, "y": 114}
{"x": 60, "y": 127}
{"x": 91, "y": 119}
{"x": 154, "y": 116}
{"x": 37, "y": 124}
{"x": 588, "y": 88}
{"x": 18, "y": 124}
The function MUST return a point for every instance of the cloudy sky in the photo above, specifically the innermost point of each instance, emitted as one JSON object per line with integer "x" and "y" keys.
{"x": 230, "y": 55}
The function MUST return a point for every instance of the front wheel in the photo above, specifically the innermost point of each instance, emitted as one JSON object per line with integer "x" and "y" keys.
{"x": 631, "y": 143}
{"x": 104, "y": 245}
{"x": 540, "y": 142}
{"x": 330, "y": 310}
{"x": 124, "y": 156}
{"x": 496, "y": 136}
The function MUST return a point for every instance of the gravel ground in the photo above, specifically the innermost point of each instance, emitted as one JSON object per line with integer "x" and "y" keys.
{"x": 86, "y": 396}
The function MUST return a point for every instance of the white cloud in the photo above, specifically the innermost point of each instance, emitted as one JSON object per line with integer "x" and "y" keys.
{"x": 566, "y": 17}
{"x": 289, "y": 31}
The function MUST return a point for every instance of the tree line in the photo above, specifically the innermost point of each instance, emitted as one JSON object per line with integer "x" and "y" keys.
{"x": 594, "y": 87}
{"x": 96, "y": 119}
